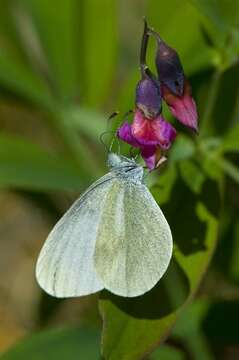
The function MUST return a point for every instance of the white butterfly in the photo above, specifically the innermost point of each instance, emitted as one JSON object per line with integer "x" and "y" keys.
{"x": 114, "y": 236}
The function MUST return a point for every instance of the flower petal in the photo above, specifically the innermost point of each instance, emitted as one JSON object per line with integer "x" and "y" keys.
{"x": 183, "y": 108}
{"x": 148, "y": 153}
{"x": 165, "y": 131}
{"x": 152, "y": 132}
{"x": 125, "y": 134}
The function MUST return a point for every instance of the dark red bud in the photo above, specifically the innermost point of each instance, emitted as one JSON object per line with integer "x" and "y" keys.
{"x": 169, "y": 67}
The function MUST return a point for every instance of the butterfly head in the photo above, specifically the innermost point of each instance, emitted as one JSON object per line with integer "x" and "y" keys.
{"x": 125, "y": 167}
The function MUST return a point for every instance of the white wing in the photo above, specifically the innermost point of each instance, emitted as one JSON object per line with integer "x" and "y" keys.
{"x": 65, "y": 265}
{"x": 134, "y": 241}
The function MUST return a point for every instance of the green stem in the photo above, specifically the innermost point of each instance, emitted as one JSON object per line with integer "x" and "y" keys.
{"x": 212, "y": 96}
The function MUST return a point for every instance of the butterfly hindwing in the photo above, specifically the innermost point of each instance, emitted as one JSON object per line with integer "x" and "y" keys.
{"x": 134, "y": 241}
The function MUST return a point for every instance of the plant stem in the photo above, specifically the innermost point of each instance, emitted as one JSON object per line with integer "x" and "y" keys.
{"x": 212, "y": 96}
{"x": 144, "y": 45}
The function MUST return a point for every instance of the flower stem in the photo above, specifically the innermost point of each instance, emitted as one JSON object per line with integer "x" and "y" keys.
{"x": 144, "y": 45}
{"x": 212, "y": 96}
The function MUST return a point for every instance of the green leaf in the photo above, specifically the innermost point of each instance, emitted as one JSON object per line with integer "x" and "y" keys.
{"x": 229, "y": 168}
{"x": 220, "y": 325}
{"x": 25, "y": 165}
{"x": 98, "y": 47}
{"x": 192, "y": 175}
{"x": 60, "y": 344}
{"x": 210, "y": 151}
{"x": 162, "y": 188}
{"x": 54, "y": 25}
{"x": 223, "y": 13}
{"x": 166, "y": 352}
{"x": 182, "y": 149}
{"x": 16, "y": 77}
{"x": 89, "y": 122}
{"x": 133, "y": 327}
{"x": 234, "y": 261}
{"x": 231, "y": 140}
{"x": 189, "y": 330}
{"x": 220, "y": 19}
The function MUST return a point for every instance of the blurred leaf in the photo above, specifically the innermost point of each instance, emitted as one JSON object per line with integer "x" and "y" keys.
{"x": 223, "y": 13}
{"x": 225, "y": 108}
{"x": 8, "y": 31}
{"x": 25, "y": 165}
{"x": 221, "y": 322}
{"x": 182, "y": 149}
{"x": 98, "y": 47}
{"x": 17, "y": 78}
{"x": 161, "y": 190}
{"x": 188, "y": 330}
{"x": 221, "y": 20}
{"x": 229, "y": 168}
{"x": 234, "y": 261}
{"x": 166, "y": 352}
{"x": 179, "y": 23}
{"x": 54, "y": 23}
{"x": 61, "y": 344}
{"x": 192, "y": 175}
{"x": 210, "y": 151}
{"x": 139, "y": 324}
{"x": 89, "y": 122}
{"x": 231, "y": 140}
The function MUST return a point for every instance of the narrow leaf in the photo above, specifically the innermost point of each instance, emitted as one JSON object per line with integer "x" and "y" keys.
{"x": 25, "y": 165}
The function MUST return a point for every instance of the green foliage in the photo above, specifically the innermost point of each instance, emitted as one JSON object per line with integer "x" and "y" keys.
{"x": 59, "y": 344}
{"x": 72, "y": 61}
{"x": 25, "y": 165}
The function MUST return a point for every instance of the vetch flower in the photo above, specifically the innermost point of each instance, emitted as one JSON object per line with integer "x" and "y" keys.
{"x": 150, "y": 136}
{"x": 182, "y": 107}
{"x": 149, "y": 131}
{"x": 176, "y": 90}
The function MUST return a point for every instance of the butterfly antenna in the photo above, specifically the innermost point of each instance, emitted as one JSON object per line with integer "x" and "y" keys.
{"x": 112, "y": 116}
{"x": 107, "y": 148}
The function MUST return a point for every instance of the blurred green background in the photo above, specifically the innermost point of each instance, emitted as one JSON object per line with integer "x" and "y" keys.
{"x": 65, "y": 66}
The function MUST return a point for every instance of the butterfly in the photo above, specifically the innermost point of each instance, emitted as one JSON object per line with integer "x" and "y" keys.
{"x": 113, "y": 237}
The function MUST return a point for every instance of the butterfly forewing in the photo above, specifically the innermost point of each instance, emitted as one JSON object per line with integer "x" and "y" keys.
{"x": 65, "y": 266}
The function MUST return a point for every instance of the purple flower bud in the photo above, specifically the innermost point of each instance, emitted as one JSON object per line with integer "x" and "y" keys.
{"x": 148, "y": 97}
{"x": 169, "y": 68}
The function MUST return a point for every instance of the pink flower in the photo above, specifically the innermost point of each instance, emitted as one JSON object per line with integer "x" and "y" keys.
{"x": 176, "y": 90}
{"x": 182, "y": 107}
{"x": 149, "y": 135}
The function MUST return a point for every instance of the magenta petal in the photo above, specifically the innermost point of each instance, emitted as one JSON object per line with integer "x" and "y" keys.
{"x": 142, "y": 129}
{"x": 165, "y": 132}
{"x": 125, "y": 134}
{"x": 184, "y": 109}
{"x": 148, "y": 153}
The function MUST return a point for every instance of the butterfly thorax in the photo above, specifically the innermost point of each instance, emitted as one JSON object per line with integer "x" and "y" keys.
{"x": 125, "y": 168}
